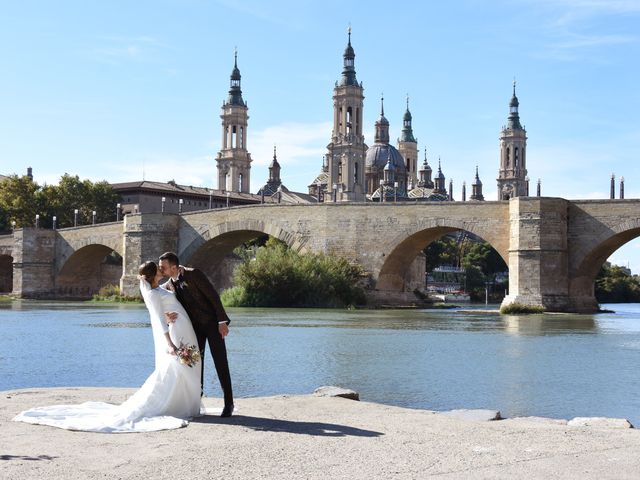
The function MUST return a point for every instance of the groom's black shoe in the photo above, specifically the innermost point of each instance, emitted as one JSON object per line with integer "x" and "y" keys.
{"x": 227, "y": 411}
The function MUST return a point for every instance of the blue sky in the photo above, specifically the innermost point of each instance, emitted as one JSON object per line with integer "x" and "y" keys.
{"x": 112, "y": 89}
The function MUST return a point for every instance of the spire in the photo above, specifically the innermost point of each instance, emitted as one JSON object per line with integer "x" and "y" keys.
{"x": 235, "y": 93}
{"x": 407, "y": 129}
{"x": 274, "y": 172}
{"x": 476, "y": 188}
{"x": 513, "y": 121}
{"x": 382, "y": 126}
{"x": 349, "y": 71}
{"x": 477, "y": 181}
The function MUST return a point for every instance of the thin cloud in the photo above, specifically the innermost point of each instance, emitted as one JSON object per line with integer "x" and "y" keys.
{"x": 118, "y": 49}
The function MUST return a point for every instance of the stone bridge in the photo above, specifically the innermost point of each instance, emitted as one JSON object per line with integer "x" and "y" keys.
{"x": 553, "y": 247}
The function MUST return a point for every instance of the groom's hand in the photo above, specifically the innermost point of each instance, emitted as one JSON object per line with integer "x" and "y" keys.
{"x": 170, "y": 317}
{"x": 223, "y": 328}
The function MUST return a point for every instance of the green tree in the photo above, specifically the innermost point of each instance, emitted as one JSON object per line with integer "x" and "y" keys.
{"x": 19, "y": 202}
{"x": 71, "y": 193}
{"x": 615, "y": 284}
{"x": 281, "y": 277}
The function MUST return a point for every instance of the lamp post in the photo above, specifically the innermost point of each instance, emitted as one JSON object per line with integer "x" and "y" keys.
{"x": 118, "y": 207}
{"x": 93, "y": 217}
{"x": 228, "y": 195}
{"x": 381, "y": 191}
{"x": 37, "y": 220}
{"x": 335, "y": 192}
{"x": 180, "y": 203}
{"x": 395, "y": 192}
{"x": 13, "y": 225}
{"x": 55, "y": 220}
{"x": 164, "y": 201}
{"x": 75, "y": 217}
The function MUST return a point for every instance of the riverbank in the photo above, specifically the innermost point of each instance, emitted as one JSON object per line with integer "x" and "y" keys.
{"x": 294, "y": 437}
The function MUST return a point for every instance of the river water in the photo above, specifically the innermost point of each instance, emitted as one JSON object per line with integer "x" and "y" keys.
{"x": 547, "y": 365}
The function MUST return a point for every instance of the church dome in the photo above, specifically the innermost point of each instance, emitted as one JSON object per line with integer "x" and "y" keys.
{"x": 379, "y": 154}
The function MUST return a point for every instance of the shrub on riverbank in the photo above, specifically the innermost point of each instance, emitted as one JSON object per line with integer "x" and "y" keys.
{"x": 111, "y": 293}
{"x": 521, "y": 309}
{"x": 281, "y": 277}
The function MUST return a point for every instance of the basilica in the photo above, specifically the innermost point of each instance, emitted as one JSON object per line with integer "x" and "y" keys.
{"x": 353, "y": 171}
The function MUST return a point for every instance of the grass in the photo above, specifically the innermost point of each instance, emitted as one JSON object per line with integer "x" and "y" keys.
{"x": 111, "y": 294}
{"x": 521, "y": 309}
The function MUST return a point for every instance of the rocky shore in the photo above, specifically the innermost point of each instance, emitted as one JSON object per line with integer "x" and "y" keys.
{"x": 315, "y": 437}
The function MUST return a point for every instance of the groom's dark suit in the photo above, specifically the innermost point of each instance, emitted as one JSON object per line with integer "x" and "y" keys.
{"x": 202, "y": 303}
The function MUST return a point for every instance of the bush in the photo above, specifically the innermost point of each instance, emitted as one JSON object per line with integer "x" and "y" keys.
{"x": 521, "y": 309}
{"x": 234, "y": 297}
{"x": 281, "y": 277}
{"x": 111, "y": 293}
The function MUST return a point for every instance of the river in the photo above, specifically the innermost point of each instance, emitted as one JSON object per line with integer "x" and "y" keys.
{"x": 558, "y": 366}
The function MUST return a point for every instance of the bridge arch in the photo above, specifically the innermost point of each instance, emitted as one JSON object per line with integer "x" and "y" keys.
{"x": 6, "y": 273}
{"x": 87, "y": 270}
{"x": 211, "y": 250}
{"x": 587, "y": 261}
{"x": 405, "y": 247}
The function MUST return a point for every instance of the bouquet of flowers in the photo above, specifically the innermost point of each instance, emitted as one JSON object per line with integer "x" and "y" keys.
{"x": 188, "y": 355}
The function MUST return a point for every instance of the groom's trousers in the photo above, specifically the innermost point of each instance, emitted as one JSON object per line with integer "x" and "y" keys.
{"x": 210, "y": 333}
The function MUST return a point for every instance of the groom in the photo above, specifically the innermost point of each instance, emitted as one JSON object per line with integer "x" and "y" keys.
{"x": 210, "y": 322}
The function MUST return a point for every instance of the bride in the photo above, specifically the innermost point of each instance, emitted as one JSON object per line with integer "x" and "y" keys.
{"x": 170, "y": 395}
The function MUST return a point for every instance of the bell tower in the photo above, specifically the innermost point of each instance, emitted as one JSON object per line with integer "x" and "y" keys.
{"x": 408, "y": 148}
{"x": 346, "y": 152}
{"x": 234, "y": 161}
{"x": 513, "y": 159}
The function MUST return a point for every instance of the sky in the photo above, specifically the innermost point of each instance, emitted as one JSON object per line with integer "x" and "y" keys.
{"x": 121, "y": 91}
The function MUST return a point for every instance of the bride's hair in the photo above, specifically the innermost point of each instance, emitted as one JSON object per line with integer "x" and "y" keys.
{"x": 148, "y": 270}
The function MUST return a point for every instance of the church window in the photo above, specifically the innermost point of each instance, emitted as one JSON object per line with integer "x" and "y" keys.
{"x": 234, "y": 136}
{"x": 515, "y": 158}
{"x": 241, "y": 137}
{"x": 349, "y": 120}
{"x": 508, "y": 156}
{"x": 355, "y": 172}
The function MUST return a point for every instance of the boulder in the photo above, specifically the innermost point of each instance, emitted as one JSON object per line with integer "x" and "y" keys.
{"x": 474, "y": 415}
{"x": 331, "y": 391}
{"x": 600, "y": 422}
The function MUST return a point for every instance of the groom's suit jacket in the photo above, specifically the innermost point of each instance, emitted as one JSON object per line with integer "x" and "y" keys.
{"x": 198, "y": 297}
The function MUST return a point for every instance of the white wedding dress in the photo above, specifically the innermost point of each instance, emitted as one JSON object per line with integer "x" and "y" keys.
{"x": 169, "y": 397}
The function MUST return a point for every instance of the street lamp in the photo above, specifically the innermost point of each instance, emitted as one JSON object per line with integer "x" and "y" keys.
{"x": 335, "y": 192}
{"x": 93, "y": 217}
{"x": 37, "y": 220}
{"x": 75, "y": 217}
{"x": 228, "y": 195}
{"x": 180, "y": 203}
{"x": 118, "y": 206}
{"x": 55, "y": 219}
{"x": 381, "y": 191}
{"x": 395, "y": 192}
{"x": 164, "y": 200}
{"x": 13, "y": 225}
